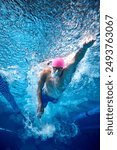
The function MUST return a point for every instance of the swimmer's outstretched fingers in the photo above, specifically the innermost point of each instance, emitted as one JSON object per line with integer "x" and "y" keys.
{"x": 89, "y": 42}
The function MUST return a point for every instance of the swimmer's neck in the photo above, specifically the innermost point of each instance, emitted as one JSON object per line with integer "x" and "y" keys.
{"x": 57, "y": 76}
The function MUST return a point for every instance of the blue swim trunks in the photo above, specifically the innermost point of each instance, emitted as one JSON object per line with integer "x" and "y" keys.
{"x": 46, "y": 99}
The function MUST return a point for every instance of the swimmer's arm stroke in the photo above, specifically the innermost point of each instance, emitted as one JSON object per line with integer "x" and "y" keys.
{"x": 79, "y": 55}
{"x": 40, "y": 109}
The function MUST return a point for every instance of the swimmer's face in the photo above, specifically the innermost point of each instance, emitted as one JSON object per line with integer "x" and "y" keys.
{"x": 57, "y": 71}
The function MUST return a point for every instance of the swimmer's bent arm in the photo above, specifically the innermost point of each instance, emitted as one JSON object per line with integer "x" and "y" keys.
{"x": 41, "y": 82}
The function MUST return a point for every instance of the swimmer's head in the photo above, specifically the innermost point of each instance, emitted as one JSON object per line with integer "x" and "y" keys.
{"x": 58, "y": 63}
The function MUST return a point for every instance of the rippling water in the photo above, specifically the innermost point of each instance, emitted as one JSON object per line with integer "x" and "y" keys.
{"x": 35, "y": 31}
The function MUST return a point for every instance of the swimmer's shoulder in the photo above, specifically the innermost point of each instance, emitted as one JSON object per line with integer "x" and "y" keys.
{"x": 46, "y": 71}
{"x": 44, "y": 74}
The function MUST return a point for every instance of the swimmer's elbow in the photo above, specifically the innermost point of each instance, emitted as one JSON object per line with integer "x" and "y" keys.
{"x": 76, "y": 59}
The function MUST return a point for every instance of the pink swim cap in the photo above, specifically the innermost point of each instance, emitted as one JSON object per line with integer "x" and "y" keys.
{"x": 58, "y": 62}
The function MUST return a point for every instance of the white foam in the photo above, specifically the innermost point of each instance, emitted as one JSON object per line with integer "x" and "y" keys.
{"x": 11, "y": 73}
{"x": 47, "y": 131}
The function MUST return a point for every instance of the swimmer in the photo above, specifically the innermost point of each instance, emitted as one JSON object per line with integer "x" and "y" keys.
{"x": 55, "y": 78}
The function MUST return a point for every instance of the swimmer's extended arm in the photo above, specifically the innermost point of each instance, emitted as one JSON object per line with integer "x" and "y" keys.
{"x": 80, "y": 54}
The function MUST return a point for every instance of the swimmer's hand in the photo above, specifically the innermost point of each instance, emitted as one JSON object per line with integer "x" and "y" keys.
{"x": 88, "y": 42}
{"x": 40, "y": 110}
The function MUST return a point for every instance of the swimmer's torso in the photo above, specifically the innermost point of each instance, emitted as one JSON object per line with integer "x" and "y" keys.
{"x": 54, "y": 86}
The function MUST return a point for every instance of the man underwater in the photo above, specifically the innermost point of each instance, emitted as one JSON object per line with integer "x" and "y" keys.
{"x": 55, "y": 78}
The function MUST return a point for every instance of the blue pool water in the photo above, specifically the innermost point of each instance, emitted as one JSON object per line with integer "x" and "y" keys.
{"x": 32, "y": 32}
